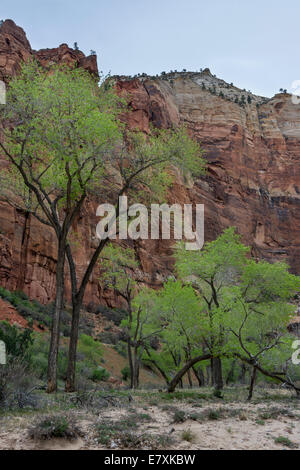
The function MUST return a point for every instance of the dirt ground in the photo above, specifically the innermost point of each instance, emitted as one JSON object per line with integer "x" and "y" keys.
{"x": 194, "y": 420}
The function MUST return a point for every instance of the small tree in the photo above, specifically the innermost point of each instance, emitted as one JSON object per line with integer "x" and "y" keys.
{"x": 176, "y": 307}
{"x": 117, "y": 267}
{"x": 64, "y": 141}
{"x": 246, "y": 306}
{"x": 141, "y": 327}
{"x": 212, "y": 271}
{"x": 59, "y": 129}
{"x": 260, "y": 314}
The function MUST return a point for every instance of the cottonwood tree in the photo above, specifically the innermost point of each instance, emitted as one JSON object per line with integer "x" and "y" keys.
{"x": 117, "y": 266}
{"x": 182, "y": 340}
{"x": 260, "y": 314}
{"x": 58, "y": 129}
{"x": 142, "y": 327}
{"x": 212, "y": 271}
{"x": 140, "y": 168}
{"x": 64, "y": 142}
{"x": 245, "y": 306}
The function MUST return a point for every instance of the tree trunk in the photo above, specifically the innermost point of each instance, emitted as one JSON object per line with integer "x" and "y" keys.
{"x": 252, "y": 383}
{"x": 176, "y": 379}
{"x": 136, "y": 368}
{"x": 230, "y": 375}
{"x": 199, "y": 376}
{"x": 55, "y": 330}
{"x": 217, "y": 373}
{"x": 212, "y": 383}
{"x": 208, "y": 374}
{"x": 242, "y": 376}
{"x": 130, "y": 363}
{"x": 190, "y": 378}
{"x": 71, "y": 371}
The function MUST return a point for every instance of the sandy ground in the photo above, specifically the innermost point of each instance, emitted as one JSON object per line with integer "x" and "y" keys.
{"x": 239, "y": 426}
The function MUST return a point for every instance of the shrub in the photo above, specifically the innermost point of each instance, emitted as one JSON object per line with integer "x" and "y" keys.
{"x": 100, "y": 374}
{"x": 42, "y": 314}
{"x": 188, "y": 435}
{"x": 120, "y": 432}
{"x": 126, "y": 374}
{"x": 114, "y": 315}
{"x": 17, "y": 386}
{"x": 109, "y": 337}
{"x": 285, "y": 441}
{"x": 214, "y": 415}
{"x": 17, "y": 341}
{"x": 55, "y": 427}
{"x": 179, "y": 417}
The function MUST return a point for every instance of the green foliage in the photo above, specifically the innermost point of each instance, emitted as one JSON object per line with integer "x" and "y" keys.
{"x": 89, "y": 357}
{"x": 100, "y": 374}
{"x": 227, "y": 304}
{"x": 52, "y": 427}
{"x": 285, "y": 441}
{"x": 125, "y": 373}
{"x": 90, "y": 349}
{"x": 17, "y": 341}
{"x": 117, "y": 265}
{"x": 179, "y": 417}
{"x": 188, "y": 435}
{"x": 33, "y": 310}
{"x": 243, "y": 301}
{"x": 66, "y": 125}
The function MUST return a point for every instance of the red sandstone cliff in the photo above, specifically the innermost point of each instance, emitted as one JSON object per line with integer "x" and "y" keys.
{"x": 253, "y": 179}
{"x": 15, "y": 49}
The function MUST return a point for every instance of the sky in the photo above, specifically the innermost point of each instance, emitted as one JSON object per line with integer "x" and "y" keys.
{"x": 252, "y": 43}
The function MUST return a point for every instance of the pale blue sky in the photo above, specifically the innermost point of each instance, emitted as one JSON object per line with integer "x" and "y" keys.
{"x": 252, "y": 43}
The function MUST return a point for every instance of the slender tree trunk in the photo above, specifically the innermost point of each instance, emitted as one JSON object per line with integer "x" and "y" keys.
{"x": 77, "y": 300}
{"x": 190, "y": 378}
{"x": 199, "y": 376}
{"x": 55, "y": 330}
{"x": 252, "y": 382}
{"x": 217, "y": 373}
{"x": 208, "y": 374}
{"x": 24, "y": 251}
{"x": 130, "y": 363}
{"x": 134, "y": 384}
{"x": 136, "y": 368}
{"x": 212, "y": 372}
{"x": 71, "y": 370}
{"x": 242, "y": 376}
{"x": 230, "y": 375}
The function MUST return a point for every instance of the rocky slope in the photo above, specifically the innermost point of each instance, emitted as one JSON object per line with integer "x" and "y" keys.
{"x": 252, "y": 146}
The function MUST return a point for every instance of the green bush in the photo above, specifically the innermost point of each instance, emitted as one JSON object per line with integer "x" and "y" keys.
{"x": 100, "y": 375}
{"x": 42, "y": 314}
{"x": 126, "y": 374}
{"x": 17, "y": 341}
{"x": 55, "y": 427}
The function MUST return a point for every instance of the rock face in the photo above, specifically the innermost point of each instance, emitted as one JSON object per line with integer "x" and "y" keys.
{"x": 15, "y": 49}
{"x": 252, "y": 146}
